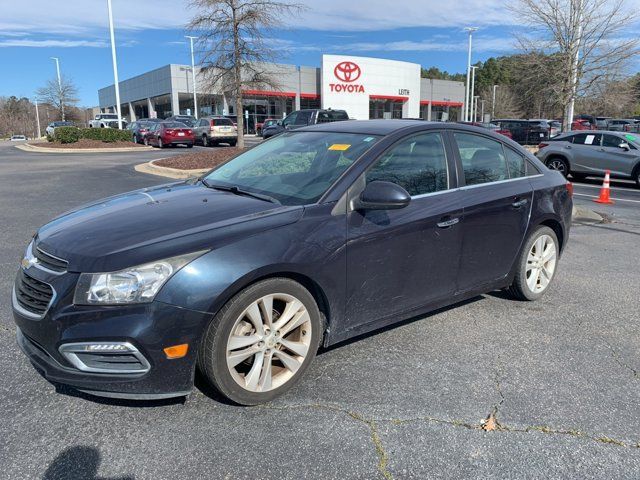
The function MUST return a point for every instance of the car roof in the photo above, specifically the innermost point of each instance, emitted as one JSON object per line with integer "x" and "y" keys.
{"x": 387, "y": 127}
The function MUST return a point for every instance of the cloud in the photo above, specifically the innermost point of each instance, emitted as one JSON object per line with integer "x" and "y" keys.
{"x": 433, "y": 45}
{"x": 81, "y": 17}
{"x": 53, "y": 43}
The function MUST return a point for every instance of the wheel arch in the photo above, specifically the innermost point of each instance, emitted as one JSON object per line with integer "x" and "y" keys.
{"x": 561, "y": 156}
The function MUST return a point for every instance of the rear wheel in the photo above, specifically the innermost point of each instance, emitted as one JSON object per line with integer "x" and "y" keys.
{"x": 536, "y": 265}
{"x": 233, "y": 143}
{"x": 160, "y": 144}
{"x": 559, "y": 164}
{"x": 205, "y": 141}
{"x": 636, "y": 176}
{"x": 261, "y": 342}
{"x": 146, "y": 141}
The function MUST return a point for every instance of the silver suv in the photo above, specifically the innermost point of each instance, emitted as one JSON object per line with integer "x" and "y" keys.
{"x": 215, "y": 130}
{"x": 591, "y": 153}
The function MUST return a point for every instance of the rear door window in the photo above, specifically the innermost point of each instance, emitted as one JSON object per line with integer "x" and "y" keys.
{"x": 517, "y": 164}
{"x": 483, "y": 159}
{"x": 592, "y": 139}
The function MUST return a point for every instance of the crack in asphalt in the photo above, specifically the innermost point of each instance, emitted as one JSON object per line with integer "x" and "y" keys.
{"x": 383, "y": 456}
{"x": 619, "y": 360}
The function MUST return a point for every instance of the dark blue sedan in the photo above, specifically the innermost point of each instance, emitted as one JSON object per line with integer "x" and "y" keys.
{"x": 310, "y": 238}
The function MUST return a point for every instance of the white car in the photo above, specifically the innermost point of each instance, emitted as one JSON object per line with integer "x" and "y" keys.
{"x": 106, "y": 120}
{"x": 18, "y": 138}
{"x": 53, "y": 125}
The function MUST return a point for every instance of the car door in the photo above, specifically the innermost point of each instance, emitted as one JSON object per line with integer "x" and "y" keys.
{"x": 496, "y": 210}
{"x": 585, "y": 152}
{"x": 399, "y": 260}
{"x": 619, "y": 160}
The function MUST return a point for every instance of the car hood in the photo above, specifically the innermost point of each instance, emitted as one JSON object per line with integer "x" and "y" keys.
{"x": 155, "y": 223}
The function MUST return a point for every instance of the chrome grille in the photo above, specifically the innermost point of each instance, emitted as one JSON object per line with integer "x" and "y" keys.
{"x": 50, "y": 262}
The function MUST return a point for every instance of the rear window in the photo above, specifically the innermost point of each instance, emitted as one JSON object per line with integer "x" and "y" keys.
{"x": 225, "y": 122}
{"x": 174, "y": 125}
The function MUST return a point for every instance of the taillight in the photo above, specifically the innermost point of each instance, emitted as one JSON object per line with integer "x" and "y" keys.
{"x": 189, "y": 132}
{"x": 542, "y": 145}
{"x": 170, "y": 131}
{"x": 570, "y": 188}
{"x": 213, "y": 124}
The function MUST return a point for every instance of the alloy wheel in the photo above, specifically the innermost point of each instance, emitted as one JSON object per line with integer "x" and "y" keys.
{"x": 558, "y": 165}
{"x": 541, "y": 263}
{"x": 269, "y": 342}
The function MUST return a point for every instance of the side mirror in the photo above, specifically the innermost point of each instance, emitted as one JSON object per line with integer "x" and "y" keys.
{"x": 381, "y": 195}
{"x": 625, "y": 146}
{"x": 279, "y": 122}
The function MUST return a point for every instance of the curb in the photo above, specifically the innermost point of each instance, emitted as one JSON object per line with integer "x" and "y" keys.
{"x": 152, "y": 169}
{"x": 32, "y": 148}
{"x": 584, "y": 215}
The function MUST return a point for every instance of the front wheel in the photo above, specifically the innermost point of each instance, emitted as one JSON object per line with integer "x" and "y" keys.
{"x": 536, "y": 265}
{"x": 261, "y": 342}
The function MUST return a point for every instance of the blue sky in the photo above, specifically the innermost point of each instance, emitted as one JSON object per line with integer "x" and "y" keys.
{"x": 150, "y": 34}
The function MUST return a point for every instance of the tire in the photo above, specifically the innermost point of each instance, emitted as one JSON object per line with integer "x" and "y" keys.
{"x": 238, "y": 377}
{"x": 205, "y": 141}
{"x": 160, "y": 144}
{"x": 559, "y": 164}
{"x": 189, "y": 145}
{"x": 146, "y": 141}
{"x": 636, "y": 176}
{"x": 233, "y": 143}
{"x": 521, "y": 288}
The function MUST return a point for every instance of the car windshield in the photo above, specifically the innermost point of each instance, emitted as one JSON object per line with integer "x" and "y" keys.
{"x": 295, "y": 168}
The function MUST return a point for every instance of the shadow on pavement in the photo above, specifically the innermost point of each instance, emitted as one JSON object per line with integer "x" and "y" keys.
{"x": 76, "y": 463}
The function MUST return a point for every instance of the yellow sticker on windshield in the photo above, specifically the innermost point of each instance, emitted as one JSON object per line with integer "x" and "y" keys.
{"x": 341, "y": 147}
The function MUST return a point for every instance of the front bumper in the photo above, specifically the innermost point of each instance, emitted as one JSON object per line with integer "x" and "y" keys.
{"x": 149, "y": 327}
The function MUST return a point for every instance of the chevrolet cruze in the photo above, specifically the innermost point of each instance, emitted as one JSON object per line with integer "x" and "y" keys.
{"x": 310, "y": 238}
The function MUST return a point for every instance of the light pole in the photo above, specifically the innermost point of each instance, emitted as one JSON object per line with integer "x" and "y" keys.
{"x": 115, "y": 64}
{"x": 575, "y": 16}
{"x": 193, "y": 76}
{"x": 467, "y": 96}
{"x": 37, "y": 120}
{"x": 57, "y": 60}
{"x": 493, "y": 102}
{"x": 472, "y": 98}
{"x": 482, "y": 110}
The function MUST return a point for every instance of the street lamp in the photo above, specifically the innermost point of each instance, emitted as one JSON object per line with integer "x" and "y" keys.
{"x": 37, "y": 120}
{"x": 115, "y": 64}
{"x": 193, "y": 75}
{"x": 493, "y": 102}
{"x": 57, "y": 60}
{"x": 473, "y": 112}
{"x": 467, "y": 96}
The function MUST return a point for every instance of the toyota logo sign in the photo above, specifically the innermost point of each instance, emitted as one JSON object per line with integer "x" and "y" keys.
{"x": 347, "y": 72}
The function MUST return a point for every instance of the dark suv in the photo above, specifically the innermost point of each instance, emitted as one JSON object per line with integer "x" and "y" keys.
{"x": 303, "y": 118}
{"x": 526, "y": 132}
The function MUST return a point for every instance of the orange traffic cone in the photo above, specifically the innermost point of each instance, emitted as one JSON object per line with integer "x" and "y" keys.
{"x": 604, "y": 191}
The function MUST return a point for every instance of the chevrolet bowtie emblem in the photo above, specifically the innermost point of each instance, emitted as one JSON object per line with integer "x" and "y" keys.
{"x": 27, "y": 262}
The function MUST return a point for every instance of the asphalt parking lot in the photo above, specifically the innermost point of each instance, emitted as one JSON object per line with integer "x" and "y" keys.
{"x": 560, "y": 378}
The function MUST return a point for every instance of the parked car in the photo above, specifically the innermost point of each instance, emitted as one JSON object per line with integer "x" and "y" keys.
{"x": 555, "y": 128}
{"x": 323, "y": 234}
{"x": 620, "y": 124}
{"x": 169, "y": 134}
{"x": 602, "y": 123}
{"x": 50, "y": 130}
{"x": 188, "y": 120}
{"x": 490, "y": 126}
{"x": 577, "y": 125}
{"x": 139, "y": 129}
{"x": 211, "y": 131}
{"x": 18, "y": 138}
{"x": 582, "y": 154}
{"x": 267, "y": 123}
{"x": 303, "y": 118}
{"x": 106, "y": 120}
{"x": 525, "y": 132}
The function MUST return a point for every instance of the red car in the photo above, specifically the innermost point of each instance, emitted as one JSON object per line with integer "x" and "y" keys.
{"x": 581, "y": 125}
{"x": 165, "y": 134}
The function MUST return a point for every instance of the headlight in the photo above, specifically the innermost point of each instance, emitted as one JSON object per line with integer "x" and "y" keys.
{"x": 132, "y": 285}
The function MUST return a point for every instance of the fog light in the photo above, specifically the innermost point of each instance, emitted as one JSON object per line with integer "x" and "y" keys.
{"x": 176, "y": 351}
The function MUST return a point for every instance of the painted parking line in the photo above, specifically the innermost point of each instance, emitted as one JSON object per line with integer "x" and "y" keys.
{"x": 612, "y": 198}
{"x": 577, "y": 185}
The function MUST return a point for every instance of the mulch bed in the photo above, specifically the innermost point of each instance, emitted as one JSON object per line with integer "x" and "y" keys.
{"x": 86, "y": 143}
{"x": 200, "y": 160}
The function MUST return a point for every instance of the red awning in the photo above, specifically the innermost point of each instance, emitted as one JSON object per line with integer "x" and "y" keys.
{"x": 438, "y": 103}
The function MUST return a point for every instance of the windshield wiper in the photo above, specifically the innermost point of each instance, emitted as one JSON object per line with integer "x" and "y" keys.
{"x": 238, "y": 191}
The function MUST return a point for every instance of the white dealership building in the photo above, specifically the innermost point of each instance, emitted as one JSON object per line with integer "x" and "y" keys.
{"x": 364, "y": 87}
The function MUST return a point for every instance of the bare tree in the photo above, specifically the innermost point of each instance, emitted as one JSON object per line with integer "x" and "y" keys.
{"x": 60, "y": 96}
{"x": 587, "y": 37}
{"x": 232, "y": 36}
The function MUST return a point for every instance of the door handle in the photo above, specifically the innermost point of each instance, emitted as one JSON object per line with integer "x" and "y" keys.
{"x": 519, "y": 203}
{"x": 448, "y": 223}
